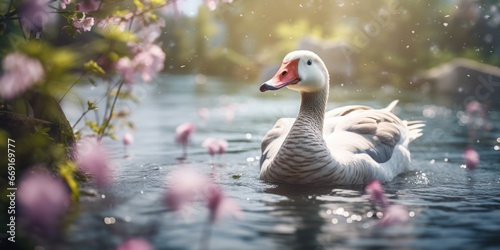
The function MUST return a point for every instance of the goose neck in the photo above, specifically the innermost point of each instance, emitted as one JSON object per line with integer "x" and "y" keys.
{"x": 312, "y": 109}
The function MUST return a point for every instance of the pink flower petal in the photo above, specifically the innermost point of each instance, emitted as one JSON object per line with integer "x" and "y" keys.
{"x": 220, "y": 205}
{"x": 20, "y": 73}
{"x": 394, "y": 214}
{"x": 185, "y": 186}
{"x": 64, "y": 3}
{"x": 93, "y": 159}
{"x": 43, "y": 199}
{"x": 183, "y": 133}
{"x": 376, "y": 192}
{"x": 215, "y": 146}
{"x": 128, "y": 139}
{"x": 135, "y": 244}
{"x": 472, "y": 158}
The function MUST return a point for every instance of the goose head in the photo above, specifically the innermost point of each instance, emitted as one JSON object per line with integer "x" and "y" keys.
{"x": 301, "y": 70}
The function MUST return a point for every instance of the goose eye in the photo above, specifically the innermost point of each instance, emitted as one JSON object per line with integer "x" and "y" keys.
{"x": 309, "y": 62}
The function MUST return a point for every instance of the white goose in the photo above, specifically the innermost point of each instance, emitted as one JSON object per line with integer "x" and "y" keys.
{"x": 347, "y": 145}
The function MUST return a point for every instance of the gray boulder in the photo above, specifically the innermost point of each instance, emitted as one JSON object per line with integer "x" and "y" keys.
{"x": 463, "y": 79}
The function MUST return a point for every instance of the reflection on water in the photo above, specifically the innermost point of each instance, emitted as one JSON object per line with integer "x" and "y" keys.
{"x": 449, "y": 206}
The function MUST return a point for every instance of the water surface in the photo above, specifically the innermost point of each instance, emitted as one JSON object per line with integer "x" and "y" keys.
{"x": 451, "y": 207}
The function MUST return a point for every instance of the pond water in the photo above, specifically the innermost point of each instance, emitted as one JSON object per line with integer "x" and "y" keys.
{"x": 452, "y": 208}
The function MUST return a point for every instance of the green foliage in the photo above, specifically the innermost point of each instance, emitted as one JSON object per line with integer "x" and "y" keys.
{"x": 67, "y": 171}
{"x": 93, "y": 67}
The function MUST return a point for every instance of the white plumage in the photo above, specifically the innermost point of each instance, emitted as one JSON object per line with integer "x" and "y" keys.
{"x": 347, "y": 145}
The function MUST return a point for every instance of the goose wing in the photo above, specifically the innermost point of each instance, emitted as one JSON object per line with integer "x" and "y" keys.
{"x": 364, "y": 130}
{"x": 272, "y": 141}
{"x": 372, "y": 132}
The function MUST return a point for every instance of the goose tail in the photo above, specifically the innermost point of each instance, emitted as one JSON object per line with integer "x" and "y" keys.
{"x": 391, "y": 106}
{"x": 415, "y": 129}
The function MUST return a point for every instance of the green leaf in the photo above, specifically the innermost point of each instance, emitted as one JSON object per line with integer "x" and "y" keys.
{"x": 91, "y": 106}
{"x": 139, "y": 5}
{"x": 93, "y": 67}
{"x": 67, "y": 171}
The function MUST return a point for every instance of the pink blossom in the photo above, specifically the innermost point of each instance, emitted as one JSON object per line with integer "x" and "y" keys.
{"x": 220, "y": 205}
{"x": 35, "y": 15}
{"x": 183, "y": 135}
{"x": 88, "y": 5}
{"x": 215, "y": 146}
{"x": 93, "y": 159}
{"x": 128, "y": 139}
{"x": 125, "y": 67}
{"x": 376, "y": 192}
{"x": 83, "y": 24}
{"x": 150, "y": 62}
{"x": 186, "y": 185}
{"x": 20, "y": 73}
{"x": 474, "y": 107}
{"x": 472, "y": 158}
{"x": 146, "y": 63}
{"x": 393, "y": 214}
{"x": 64, "y": 3}
{"x": 149, "y": 33}
{"x": 115, "y": 22}
{"x": 43, "y": 199}
{"x": 135, "y": 244}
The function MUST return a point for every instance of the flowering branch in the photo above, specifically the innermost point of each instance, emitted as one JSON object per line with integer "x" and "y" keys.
{"x": 110, "y": 114}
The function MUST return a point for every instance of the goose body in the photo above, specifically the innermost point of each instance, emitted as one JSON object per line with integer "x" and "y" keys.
{"x": 347, "y": 145}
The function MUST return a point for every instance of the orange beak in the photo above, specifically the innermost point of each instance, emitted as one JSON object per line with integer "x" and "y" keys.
{"x": 287, "y": 74}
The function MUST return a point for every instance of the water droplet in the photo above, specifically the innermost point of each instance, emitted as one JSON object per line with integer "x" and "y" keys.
{"x": 349, "y": 220}
{"x": 496, "y": 147}
{"x": 109, "y": 220}
{"x": 329, "y": 211}
{"x": 248, "y": 136}
{"x": 445, "y": 24}
{"x": 103, "y": 196}
{"x": 445, "y": 159}
{"x": 369, "y": 214}
{"x": 432, "y": 161}
{"x": 411, "y": 214}
{"x": 339, "y": 211}
{"x": 142, "y": 192}
{"x": 128, "y": 219}
{"x": 335, "y": 221}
